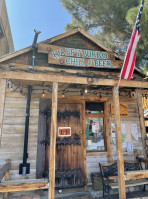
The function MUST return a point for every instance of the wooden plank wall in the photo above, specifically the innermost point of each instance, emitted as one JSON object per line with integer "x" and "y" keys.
{"x": 92, "y": 161}
{"x": 133, "y": 118}
{"x": 2, "y": 103}
{"x": 13, "y": 133}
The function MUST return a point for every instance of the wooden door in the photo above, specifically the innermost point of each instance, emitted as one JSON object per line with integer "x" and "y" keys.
{"x": 69, "y": 150}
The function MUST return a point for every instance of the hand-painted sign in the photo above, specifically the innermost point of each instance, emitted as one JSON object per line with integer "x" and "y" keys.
{"x": 123, "y": 110}
{"x": 79, "y": 57}
{"x": 64, "y": 131}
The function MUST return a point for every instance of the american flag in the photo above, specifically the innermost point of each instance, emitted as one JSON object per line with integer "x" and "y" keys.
{"x": 129, "y": 61}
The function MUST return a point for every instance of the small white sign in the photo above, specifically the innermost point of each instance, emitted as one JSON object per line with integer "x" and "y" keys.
{"x": 64, "y": 131}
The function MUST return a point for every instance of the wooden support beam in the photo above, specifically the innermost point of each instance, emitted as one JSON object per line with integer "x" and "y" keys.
{"x": 143, "y": 92}
{"x": 96, "y": 153}
{"x": 84, "y": 143}
{"x": 142, "y": 124}
{"x": 52, "y": 160}
{"x": 7, "y": 176}
{"x": 23, "y": 185}
{"x": 70, "y": 79}
{"x": 2, "y": 103}
{"x": 4, "y": 171}
{"x": 133, "y": 175}
{"x": 54, "y": 69}
{"x": 120, "y": 161}
{"x": 76, "y": 98}
{"x": 107, "y": 128}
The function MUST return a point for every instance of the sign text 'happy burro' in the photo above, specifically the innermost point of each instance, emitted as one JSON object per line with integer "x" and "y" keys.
{"x": 80, "y": 57}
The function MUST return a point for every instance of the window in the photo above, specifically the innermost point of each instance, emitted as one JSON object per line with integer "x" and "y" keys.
{"x": 95, "y": 126}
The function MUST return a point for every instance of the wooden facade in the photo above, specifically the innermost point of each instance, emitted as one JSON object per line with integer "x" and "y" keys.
{"x": 63, "y": 92}
{"x": 6, "y": 41}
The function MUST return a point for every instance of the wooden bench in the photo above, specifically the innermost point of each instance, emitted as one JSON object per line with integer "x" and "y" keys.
{"x": 109, "y": 175}
{"x": 19, "y": 185}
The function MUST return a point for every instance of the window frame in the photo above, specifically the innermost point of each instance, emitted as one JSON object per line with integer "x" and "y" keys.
{"x": 99, "y": 115}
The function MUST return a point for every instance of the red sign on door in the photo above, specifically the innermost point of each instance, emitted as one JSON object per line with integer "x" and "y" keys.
{"x": 64, "y": 131}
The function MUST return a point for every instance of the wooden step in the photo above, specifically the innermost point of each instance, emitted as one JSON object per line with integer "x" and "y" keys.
{"x": 23, "y": 185}
{"x": 76, "y": 195}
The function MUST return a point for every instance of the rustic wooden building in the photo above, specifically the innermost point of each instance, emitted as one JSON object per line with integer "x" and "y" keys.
{"x": 73, "y": 99}
{"x": 6, "y": 42}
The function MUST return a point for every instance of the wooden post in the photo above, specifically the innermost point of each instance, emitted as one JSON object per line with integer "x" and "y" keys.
{"x": 108, "y": 134}
{"x": 142, "y": 124}
{"x": 120, "y": 161}
{"x": 2, "y": 103}
{"x": 84, "y": 143}
{"x": 7, "y": 177}
{"x": 52, "y": 159}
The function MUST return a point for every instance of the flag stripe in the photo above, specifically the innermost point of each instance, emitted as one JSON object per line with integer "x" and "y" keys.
{"x": 132, "y": 53}
{"x": 132, "y": 67}
{"x": 128, "y": 55}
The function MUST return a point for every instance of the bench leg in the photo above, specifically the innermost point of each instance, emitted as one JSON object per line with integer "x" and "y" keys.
{"x": 144, "y": 189}
{"x": 103, "y": 191}
{"x": 109, "y": 192}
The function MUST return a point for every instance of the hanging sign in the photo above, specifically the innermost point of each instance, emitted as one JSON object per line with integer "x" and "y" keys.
{"x": 79, "y": 57}
{"x": 64, "y": 131}
{"x": 123, "y": 110}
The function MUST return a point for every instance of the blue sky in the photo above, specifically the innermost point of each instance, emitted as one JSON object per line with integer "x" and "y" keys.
{"x": 48, "y": 16}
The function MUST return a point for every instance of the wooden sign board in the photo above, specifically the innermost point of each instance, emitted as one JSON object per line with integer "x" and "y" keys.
{"x": 60, "y": 55}
{"x": 123, "y": 110}
{"x": 64, "y": 131}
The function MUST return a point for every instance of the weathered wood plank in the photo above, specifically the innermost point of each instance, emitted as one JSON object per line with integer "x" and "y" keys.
{"x": 42, "y": 128}
{"x": 23, "y": 185}
{"x": 84, "y": 143}
{"x": 71, "y": 79}
{"x": 51, "y": 191}
{"x": 101, "y": 115}
{"x": 120, "y": 161}
{"x": 96, "y": 153}
{"x": 15, "y": 54}
{"x": 142, "y": 124}
{"x": 130, "y": 183}
{"x": 19, "y": 120}
{"x": 140, "y": 91}
{"x": 108, "y": 134}
{"x": 4, "y": 170}
{"x": 2, "y": 103}
{"x": 21, "y": 104}
{"x": 133, "y": 175}
{"x": 55, "y": 69}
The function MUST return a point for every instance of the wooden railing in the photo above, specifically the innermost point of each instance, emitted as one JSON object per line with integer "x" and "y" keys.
{"x": 19, "y": 185}
{"x": 5, "y": 172}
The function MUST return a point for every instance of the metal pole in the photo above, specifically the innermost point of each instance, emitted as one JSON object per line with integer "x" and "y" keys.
{"x": 34, "y": 46}
{"x": 25, "y": 167}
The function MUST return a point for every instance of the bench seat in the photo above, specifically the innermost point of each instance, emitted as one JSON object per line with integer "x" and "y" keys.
{"x": 23, "y": 185}
{"x": 129, "y": 183}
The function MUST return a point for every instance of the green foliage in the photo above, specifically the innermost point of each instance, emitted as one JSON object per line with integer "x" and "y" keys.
{"x": 111, "y": 22}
